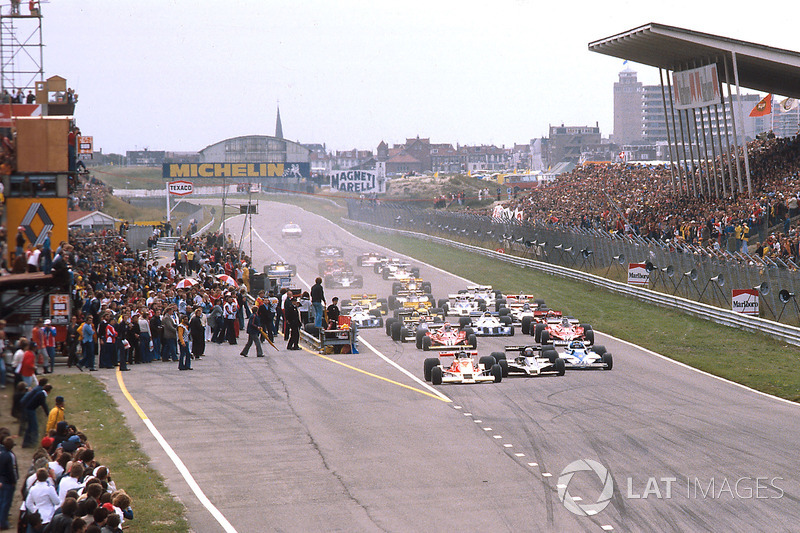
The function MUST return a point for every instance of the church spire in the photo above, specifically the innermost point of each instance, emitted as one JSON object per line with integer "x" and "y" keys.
{"x": 278, "y": 126}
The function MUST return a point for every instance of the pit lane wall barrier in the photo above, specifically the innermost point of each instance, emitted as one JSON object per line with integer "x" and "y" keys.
{"x": 676, "y": 268}
{"x": 783, "y": 332}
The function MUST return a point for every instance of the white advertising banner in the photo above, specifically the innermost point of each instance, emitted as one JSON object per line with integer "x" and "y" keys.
{"x": 745, "y": 301}
{"x": 698, "y": 87}
{"x": 358, "y": 181}
{"x": 638, "y": 274}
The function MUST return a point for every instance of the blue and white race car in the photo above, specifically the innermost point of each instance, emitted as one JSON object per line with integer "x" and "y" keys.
{"x": 489, "y": 325}
{"x": 364, "y": 318}
{"x": 578, "y": 355}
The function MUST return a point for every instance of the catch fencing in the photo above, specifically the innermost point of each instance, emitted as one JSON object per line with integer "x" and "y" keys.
{"x": 697, "y": 274}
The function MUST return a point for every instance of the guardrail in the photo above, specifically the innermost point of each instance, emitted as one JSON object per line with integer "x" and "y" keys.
{"x": 783, "y": 332}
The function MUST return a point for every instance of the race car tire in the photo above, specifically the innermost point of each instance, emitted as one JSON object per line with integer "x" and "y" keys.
{"x": 537, "y": 332}
{"x": 345, "y": 303}
{"x": 393, "y": 302}
{"x": 539, "y": 302}
{"x": 526, "y": 325}
{"x": 446, "y": 308}
{"x": 599, "y": 349}
{"x": 385, "y": 273}
{"x": 589, "y": 334}
{"x": 442, "y": 303}
{"x": 463, "y": 322}
{"x": 561, "y": 367}
{"x": 396, "y": 313}
{"x": 419, "y": 336}
{"x": 550, "y": 354}
{"x": 388, "y": 323}
{"x": 436, "y": 375}
{"x": 498, "y": 295}
{"x": 487, "y": 361}
{"x": 497, "y": 372}
{"x": 505, "y": 319}
{"x": 376, "y": 268}
{"x": 396, "y": 328}
{"x": 481, "y": 304}
{"x": 293, "y": 269}
{"x": 501, "y": 302}
{"x": 504, "y": 365}
{"x": 375, "y": 312}
{"x": 512, "y": 331}
{"x": 426, "y": 344}
{"x": 498, "y": 355}
{"x": 544, "y": 337}
{"x": 430, "y": 363}
{"x": 404, "y": 333}
{"x": 544, "y": 309}
{"x": 608, "y": 360}
{"x": 380, "y": 321}
{"x": 311, "y": 329}
{"x": 462, "y": 291}
{"x": 504, "y": 311}
{"x": 396, "y": 286}
{"x": 472, "y": 340}
{"x": 436, "y": 311}
{"x": 415, "y": 272}
{"x": 429, "y": 297}
{"x": 426, "y": 287}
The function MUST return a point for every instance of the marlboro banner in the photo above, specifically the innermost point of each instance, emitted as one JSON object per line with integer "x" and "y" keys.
{"x": 745, "y": 301}
{"x": 638, "y": 274}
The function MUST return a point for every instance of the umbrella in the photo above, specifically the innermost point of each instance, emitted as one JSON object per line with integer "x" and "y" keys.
{"x": 226, "y": 279}
{"x": 186, "y": 283}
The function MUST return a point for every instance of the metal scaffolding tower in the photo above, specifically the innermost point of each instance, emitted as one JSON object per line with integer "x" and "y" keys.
{"x": 21, "y": 48}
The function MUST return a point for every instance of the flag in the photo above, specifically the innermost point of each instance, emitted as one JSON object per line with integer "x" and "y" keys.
{"x": 763, "y": 108}
{"x": 789, "y": 104}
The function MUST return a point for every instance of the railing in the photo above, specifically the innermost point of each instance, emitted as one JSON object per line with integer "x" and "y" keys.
{"x": 783, "y": 332}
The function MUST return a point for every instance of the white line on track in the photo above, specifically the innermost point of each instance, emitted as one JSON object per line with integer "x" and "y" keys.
{"x": 404, "y": 371}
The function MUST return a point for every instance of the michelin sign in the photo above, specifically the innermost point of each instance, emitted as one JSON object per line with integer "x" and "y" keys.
{"x": 236, "y": 170}
{"x": 358, "y": 181}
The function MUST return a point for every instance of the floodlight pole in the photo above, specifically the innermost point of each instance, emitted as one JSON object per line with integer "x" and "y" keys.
{"x": 741, "y": 117}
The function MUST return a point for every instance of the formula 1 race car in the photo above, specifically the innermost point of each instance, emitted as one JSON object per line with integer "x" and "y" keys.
{"x": 411, "y": 284}
{"x": 447, "y": 337}
{"x": 343, "y": 279}
{"x": 413, "y": 325}
{"x": 363, "y": 318}
{"x": 370, "y": 259}
{"x": 489, "y": 325}
{"x": 463, "y": 304}
{"x": 330, "y": 251}
{"x": 369, "y": 302}
{"x": 561, "y": 330}
{"x": 410, "y": 300}
{"x": 395, "y": 269}
{"x": 291, "y": 230}
{"x": 329, "y": 266}
{"x": 578, "y": 355}
{"x": 530, "y": 361}
{"x": 463, "y": 369}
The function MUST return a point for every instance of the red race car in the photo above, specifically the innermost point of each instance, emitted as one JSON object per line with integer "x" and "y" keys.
{"x": 561, "y": 330}
{"x": 447, "y": 337}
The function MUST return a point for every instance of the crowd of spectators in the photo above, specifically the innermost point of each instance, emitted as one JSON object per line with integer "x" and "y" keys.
{"x": 641, "y": 199}
{"x": 64, "y": 488}
{"x": 86, "y": 193}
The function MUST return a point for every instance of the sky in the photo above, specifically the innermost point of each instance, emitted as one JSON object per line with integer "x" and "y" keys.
{"x": 180, "y": 75}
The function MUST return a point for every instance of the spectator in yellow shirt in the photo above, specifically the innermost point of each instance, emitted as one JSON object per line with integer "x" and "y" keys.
{"x": 56, "y": 415}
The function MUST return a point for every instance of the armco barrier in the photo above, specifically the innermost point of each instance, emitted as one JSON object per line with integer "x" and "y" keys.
{"x": 783, "y": 332}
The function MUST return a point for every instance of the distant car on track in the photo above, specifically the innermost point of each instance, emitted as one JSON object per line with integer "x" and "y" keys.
{"x": 291, "y": 230}
{"x": 329, "y": 251}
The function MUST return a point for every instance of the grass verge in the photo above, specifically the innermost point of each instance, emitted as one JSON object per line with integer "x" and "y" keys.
{"x": 93, "y": 411}
{"x": 751, "y": 359}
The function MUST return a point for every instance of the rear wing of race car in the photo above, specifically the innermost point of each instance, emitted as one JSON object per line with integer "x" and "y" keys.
{"x": 363, "y": 297}
{"x": 453, "y": 353}
{"x": 542, "y": 314}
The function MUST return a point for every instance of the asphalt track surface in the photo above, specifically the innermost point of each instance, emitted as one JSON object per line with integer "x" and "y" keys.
{"x": 297, "y": 442}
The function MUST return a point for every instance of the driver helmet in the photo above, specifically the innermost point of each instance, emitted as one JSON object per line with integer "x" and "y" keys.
{"x": 487, "y": 314}
{"x": 527, "y": 351}
{"x": 565, "y": 322}
{"x": 576, "y": 345}
{"x": 526, "y": 307}
{"x": 446, "y": 326}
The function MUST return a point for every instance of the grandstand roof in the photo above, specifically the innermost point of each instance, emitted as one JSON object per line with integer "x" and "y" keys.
{"x": 761, "y": 67}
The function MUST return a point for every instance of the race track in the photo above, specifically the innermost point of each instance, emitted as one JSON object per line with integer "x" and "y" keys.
{"x": 296, "y": 442}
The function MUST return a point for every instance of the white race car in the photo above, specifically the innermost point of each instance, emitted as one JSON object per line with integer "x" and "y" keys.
{"x": 578, "y": 355}
{"x": 463, "y": 369}
{"x": 330, "y": 251}
{"x": 463, "y": 304}
{"x": 291, "y": 230}
{"x": 489, "y": 325}
{"x": 370, "y": 259}
{"x": 530, "y": 361}
{"x": 363, "y": 318}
